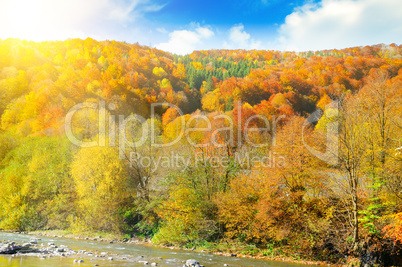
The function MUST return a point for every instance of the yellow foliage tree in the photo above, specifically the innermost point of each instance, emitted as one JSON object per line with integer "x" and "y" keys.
{"x": 159, "y": 71}
{"x": 181, "y": 217}
{"x": 100, "y": 186}
{"x": 180, "y": 71}
{"x": 212, "y": 101}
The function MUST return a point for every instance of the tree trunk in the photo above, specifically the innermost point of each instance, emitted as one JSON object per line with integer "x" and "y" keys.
{"x": 355, "y": 220}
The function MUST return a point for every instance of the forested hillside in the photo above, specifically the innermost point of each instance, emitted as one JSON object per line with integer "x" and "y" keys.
{"x": 230, "y": 185}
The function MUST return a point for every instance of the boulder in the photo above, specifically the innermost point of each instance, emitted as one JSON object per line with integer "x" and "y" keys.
{"x": 192, "y": 263}
{"x": 10, "y": 248}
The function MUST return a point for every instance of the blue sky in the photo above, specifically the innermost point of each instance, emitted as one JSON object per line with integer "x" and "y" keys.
{"x": 183, "y": 26}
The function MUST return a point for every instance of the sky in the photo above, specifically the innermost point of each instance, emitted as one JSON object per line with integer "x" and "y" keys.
{"x": 181, "y": 26}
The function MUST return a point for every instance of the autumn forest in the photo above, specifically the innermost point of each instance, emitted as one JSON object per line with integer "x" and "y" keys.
{"x": 284, "y": 153}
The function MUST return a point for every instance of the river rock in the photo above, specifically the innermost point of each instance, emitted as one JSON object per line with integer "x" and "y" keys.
{"x": 26, "y": 245}
{"x": 10, "y": 248}
{"x": 192, "y": 263}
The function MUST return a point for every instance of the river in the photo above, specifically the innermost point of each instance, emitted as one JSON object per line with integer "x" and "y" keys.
{"x": 123, "y": 255}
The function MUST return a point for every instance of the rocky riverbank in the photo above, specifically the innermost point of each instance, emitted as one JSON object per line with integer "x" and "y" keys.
{"x": 105, "y": 238}
{"x": 39, "y": 249}
{"x": 108, "y": 238}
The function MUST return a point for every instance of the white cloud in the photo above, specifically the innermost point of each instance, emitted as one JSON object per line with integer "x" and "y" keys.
{"x": 240, "y": 39}
{"x": 204, "y": 33}
{"x": 342, "y": 23}
{"x": 57, "y": 20}
{"x": 162, "y": 30}
{"x": 186, "y": 41}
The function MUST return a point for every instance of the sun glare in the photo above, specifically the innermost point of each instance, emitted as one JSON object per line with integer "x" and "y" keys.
{"x": 34, "y": 20}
